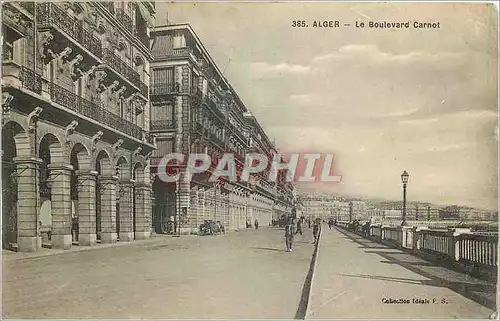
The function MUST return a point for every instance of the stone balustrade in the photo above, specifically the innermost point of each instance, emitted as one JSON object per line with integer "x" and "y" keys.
{"x": 474, "y": 253}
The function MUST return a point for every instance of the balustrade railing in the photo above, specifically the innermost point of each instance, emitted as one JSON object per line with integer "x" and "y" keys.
{"x": 181, "y": 52}
{"x": 31, "y": 80}
{"x": 481, "y": 249}
{"x": 87, "y": 108}
{"x": 121, "y": 67}
{"x": 436, "y": 241}
{"x": 50, "y": 14}
{"x": 455, "y": 245}
{"x": 376, "y": 231}
{"x": 408, "y": 236}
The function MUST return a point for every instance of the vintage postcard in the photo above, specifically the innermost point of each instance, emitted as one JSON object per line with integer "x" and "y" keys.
{"x": 249, "y": 160}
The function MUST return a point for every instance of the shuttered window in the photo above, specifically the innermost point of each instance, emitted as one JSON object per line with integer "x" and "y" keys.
{"x": 164, "y": 147}
{"x": 163, "y": 80}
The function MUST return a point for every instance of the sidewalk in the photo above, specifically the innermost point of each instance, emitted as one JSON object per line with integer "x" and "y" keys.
{"x": 9, "y": 256}
{"x": 355, "y": 275}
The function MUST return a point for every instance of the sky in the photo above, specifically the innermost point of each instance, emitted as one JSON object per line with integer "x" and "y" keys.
{"x": 381, "y": 100}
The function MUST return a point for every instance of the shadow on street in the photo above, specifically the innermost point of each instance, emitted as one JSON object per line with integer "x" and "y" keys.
{"x": 474, "y": 289}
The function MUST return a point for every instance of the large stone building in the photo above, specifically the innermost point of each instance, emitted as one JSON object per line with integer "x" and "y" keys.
{"x": 194, "y": 109}
{"x": 336, "y": 207}
{"x": 75, "y": 140}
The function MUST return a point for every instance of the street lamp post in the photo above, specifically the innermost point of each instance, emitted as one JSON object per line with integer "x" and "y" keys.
{"x": 350, "y": 211}
{"x": 404, "y": 180}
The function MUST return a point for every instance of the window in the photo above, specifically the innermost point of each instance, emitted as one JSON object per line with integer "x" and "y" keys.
{"x": 179, "y": 41}
{"x": 8, "y": 51}
{"x": 163, "y": 80}
{"x": 164, "y": 147}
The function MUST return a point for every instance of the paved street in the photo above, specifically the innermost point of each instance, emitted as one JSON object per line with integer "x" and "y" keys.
{"x": 244, "y": 274}
{"x": 353, "y": 276}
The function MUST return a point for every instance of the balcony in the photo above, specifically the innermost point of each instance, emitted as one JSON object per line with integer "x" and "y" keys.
{"x": 12, "y": 19}
{"x": 31, "y": 80}
{"x": 49, "y": 14}
{"x": 144, "y": 89}
{"x": 125, "y": 19}
{"x": 162, "y": 124}
{"x": 159, "y": 89}
{"x": 143, "y": 37}
{"x": 184, "y": 52}
{"x": 219, "y": 142}
{"x": 197, "y": 128}
{"x": 87, "y": 108}
{"x": 127, "y": 22}
{"x": 122, "y": 67}
{"x": 28, "y": 6}
{"x": 110, "y": 6}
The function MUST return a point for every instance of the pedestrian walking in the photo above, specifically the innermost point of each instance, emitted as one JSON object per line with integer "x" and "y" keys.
{"x": 309, "y": 223}
{"x": 316, "y": 229}
{"x": 299, "y": 227}
{"x": 256, "y": 223}
{"x": 289, "y": 232}
{"x": 330, "y": 223}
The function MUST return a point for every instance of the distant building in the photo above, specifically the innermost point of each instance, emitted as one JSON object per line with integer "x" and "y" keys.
{"x": 450, "y": 213}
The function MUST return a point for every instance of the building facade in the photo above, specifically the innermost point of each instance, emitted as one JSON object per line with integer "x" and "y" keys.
{"x": 75, "y": 125}
{"x": 194, "y": 109}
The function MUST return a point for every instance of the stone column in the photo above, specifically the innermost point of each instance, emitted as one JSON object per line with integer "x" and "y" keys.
{"x": 108, "y": 208}
{"x": 86, "y": 208}
{"x": 28, "y": 205}
{"x": 142, "y": 211}
{"x": 60, "y": 181}
{"x": 203, "y": 203}
{"x": 193, "y": 210}
{"x": 126, "y": 189}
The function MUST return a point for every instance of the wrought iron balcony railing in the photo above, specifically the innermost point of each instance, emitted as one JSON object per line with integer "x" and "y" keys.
{"x": 28, "y": 6}
{"x": 125, "y": 19}
{"x": 110, "y": 6}
{"x": 31, "y": 80}
{"x": 165, "y": 88}
{"x": 143, "y": 37}
{"x": 122, "y": 67}
{"x": 161, "y": 124}
{"x": 217, "y": 140}
{"x": 50, "y": 14}
{"x": 8, "y": 52}
{"x": 144, "y": 89}
{"x": 87, "y": 108}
